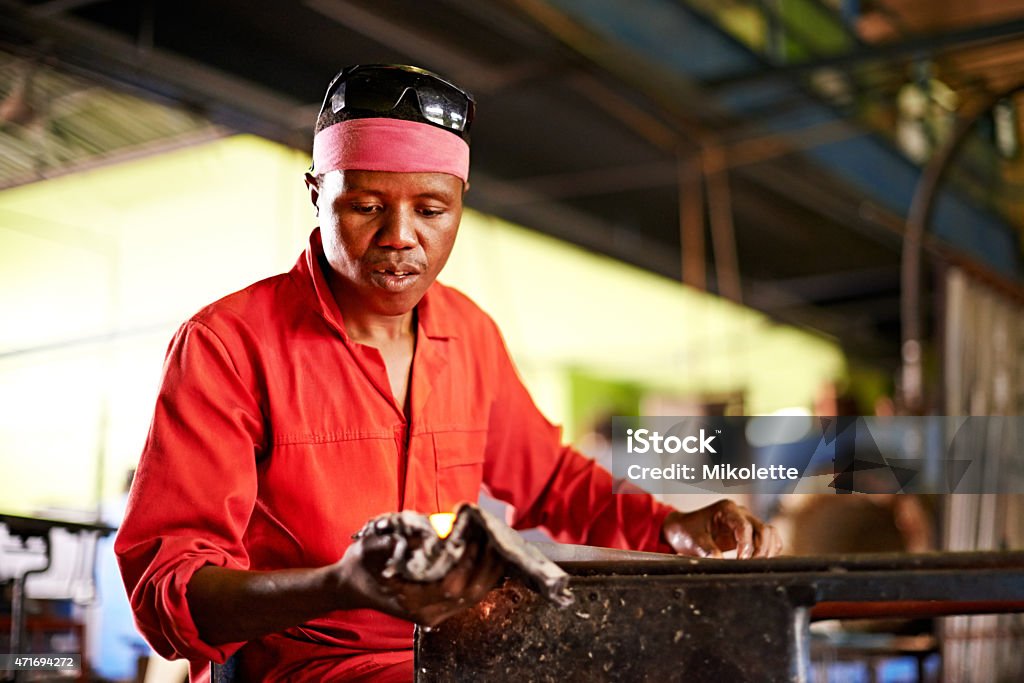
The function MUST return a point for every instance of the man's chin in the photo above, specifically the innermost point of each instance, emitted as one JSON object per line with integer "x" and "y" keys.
{"x": 396, "y": 303}
{"x": 396, "y": 284}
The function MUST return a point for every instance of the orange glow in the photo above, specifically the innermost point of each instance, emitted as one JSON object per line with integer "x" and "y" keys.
{"x": 442, "y": 523}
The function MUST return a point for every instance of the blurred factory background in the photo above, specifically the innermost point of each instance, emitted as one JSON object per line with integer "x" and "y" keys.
{"x": 677, "y": 207}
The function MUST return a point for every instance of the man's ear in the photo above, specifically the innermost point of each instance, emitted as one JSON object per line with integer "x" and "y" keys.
{"x": 314, "y": 190}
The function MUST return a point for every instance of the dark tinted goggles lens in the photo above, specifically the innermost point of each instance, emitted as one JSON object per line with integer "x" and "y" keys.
{"x": 439, "y": 103}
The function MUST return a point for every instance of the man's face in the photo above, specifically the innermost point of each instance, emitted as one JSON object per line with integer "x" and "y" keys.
{"x": 386, "y": 236}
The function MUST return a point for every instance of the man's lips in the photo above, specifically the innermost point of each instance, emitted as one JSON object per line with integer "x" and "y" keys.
{"x": 401, "y": 268}
{"x": 395, "y": 277}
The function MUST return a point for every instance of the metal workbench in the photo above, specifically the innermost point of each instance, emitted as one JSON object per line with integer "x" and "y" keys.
{"x": 648, "y": 617}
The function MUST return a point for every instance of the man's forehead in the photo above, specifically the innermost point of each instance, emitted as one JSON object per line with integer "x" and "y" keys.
{"x": 393, "y": 182}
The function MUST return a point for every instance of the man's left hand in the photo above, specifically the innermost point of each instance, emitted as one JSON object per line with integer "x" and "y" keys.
{"x": 720, "y": 527}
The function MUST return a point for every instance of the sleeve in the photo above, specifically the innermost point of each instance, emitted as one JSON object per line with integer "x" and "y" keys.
{"x": 193, "y": 492}
{"x": 554, "y": 487}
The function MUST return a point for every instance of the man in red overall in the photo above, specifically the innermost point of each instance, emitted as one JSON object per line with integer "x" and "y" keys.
{"x": 293, "y": 411}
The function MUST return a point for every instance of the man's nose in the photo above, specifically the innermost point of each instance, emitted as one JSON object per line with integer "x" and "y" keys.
{"x": 398, "y": 230}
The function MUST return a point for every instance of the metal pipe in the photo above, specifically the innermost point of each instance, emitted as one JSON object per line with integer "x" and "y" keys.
{"x": 723, "y": 233}
{"x": 18, "y": 596}
{"x": 691, "y": 222}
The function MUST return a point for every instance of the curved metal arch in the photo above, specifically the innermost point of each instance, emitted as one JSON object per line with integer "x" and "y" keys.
{"x": 918, "y": 218}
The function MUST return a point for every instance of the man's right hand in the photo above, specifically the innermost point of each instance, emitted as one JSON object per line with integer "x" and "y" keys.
{"x": 362, "y": 585}
{"x": 235, "y": 605}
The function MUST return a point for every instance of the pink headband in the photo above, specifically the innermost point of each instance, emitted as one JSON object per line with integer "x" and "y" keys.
{"x": 390, "y": 145}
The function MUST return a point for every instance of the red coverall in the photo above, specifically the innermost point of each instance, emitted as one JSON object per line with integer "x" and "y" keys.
{"x": 275, "y": 437}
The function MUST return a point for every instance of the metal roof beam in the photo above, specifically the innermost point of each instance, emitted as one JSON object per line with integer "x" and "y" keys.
{"x": 461, "y": 66}
{"x": 223, "y": 98}
{"x": 53, "y": 7}
{"x": 916, "y": 47}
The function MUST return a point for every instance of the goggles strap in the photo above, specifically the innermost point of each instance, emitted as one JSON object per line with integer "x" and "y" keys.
{"x": 396, "y": 145}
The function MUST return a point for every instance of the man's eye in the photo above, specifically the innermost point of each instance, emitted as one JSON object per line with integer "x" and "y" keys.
{"x": 430, "y": 212}
{"x": 366, "y": 208}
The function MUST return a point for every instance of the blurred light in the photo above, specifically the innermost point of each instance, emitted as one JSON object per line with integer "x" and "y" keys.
{"x": 442, "y": 523}
{"x": 770, "y": 431}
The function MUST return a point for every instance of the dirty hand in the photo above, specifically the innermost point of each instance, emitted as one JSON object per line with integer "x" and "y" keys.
{"x": 721, "y": 526}
{"x": 429, "y": 603}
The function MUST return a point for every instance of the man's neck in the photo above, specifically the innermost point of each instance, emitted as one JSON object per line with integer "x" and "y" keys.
{"x": 395, "y": 338}
{"x": 367, "y": 326}
{"x": 376, "y": 330}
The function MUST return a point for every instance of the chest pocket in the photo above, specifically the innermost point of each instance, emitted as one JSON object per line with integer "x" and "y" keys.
{"x": 459, "y": 458}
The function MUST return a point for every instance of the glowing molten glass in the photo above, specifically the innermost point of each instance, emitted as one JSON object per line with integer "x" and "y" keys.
{"x": 442, "y": 523}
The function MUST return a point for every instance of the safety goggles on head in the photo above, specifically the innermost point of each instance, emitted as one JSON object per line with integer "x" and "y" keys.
{"x": 380, "y": 87}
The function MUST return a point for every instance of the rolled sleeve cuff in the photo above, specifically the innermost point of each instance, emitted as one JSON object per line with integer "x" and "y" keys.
{"x": 163, "y": 615}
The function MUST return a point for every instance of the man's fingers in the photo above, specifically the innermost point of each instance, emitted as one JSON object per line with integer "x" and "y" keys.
{"x": 466, "y": 583}
{"x": 705, "y": 546}
{"x": 375, "y": 551}
{"x": 487, "y": 571}
{"x": 720, "y": 526}
{"x": 692, "y": 533}
{"x": 741, "y": 531}
{"x": 762, "y": 540}
{"x": 762, "y": 535}
{"x": 476, "y": 573}
{"x": 767, "y": 540}
{"x": 483, "y": 570}
{"x": 777, "y": 547}
{"x": 460, "y": 576}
